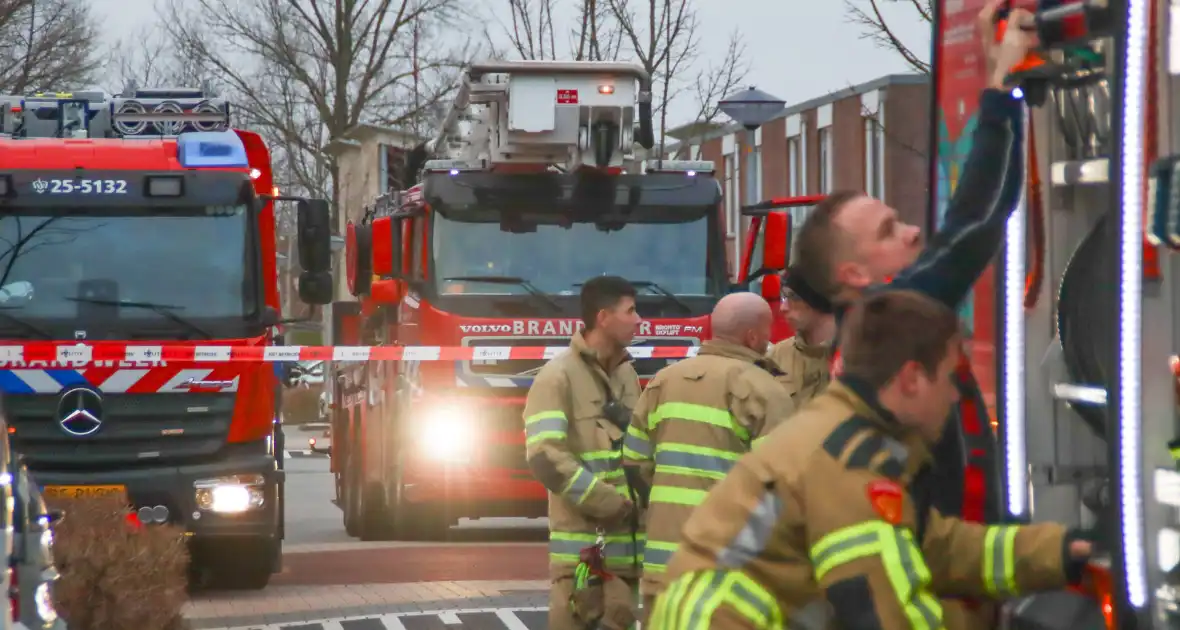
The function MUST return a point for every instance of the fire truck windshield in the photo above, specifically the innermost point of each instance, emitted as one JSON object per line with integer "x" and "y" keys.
{"x": 62, "y": 266}
{"x": 557, "y": 259}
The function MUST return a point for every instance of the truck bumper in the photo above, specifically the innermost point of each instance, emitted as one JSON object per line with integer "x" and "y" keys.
{"x": 475, "y": 492}
{"x": 173, "y": 488}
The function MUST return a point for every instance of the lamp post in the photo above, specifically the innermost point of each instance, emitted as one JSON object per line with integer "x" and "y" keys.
{"x": 751, "y": 108}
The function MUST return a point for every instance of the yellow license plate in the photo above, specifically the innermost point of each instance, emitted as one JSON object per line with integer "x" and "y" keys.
{"x": 81, "y": 492}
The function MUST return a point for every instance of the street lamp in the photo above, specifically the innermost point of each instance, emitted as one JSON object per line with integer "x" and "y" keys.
{"x": 751, "y": 108}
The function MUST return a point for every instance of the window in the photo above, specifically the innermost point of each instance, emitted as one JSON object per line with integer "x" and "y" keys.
{"x": 825, "y": 160}
{"x": 874, "y": 154}
{"x": 417, "y": 225}
{"x": 731, "y": 195}
{"x": 793, "y": 167}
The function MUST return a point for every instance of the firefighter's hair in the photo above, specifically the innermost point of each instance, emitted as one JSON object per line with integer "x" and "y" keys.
{"x": 603, "y": 292}
{"x": 886, "y": 330}
{"x": 819, "y": 243}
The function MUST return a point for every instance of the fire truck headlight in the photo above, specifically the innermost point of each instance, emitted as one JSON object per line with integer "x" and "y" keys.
{"x": 446, "y": 436}
{"x": 230, "y": 495}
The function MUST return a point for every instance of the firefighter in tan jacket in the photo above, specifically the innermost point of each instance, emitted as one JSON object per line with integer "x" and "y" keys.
{"x": 575, "y": 417}
{"x": 695, "y": 419}
{"x": 805, "y": 359}
{"x": 828, "y": 522}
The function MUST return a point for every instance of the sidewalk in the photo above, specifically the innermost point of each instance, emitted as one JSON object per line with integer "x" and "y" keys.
{"x": 293, "y": 604}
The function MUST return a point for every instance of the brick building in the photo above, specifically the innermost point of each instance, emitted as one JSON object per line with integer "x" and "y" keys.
{"x": 872, "y": 137}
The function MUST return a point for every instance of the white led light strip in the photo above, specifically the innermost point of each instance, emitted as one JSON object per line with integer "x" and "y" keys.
{"x": 1012, "y": 364}
{"x": 1130, "y": 303}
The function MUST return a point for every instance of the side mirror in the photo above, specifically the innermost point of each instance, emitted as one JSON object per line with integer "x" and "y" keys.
{"x": 772, "y": 288}
{"x": 315, "y": 288}
{"x": 777, "y": 240}
{"x": 315, "y": 236}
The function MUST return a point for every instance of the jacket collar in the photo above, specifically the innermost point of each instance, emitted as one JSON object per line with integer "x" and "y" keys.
{"x": 578, "y": 344}
{"x": 813, "y": 350}
{"x": 719, "y": 348}
{"x": 863, "y": 400}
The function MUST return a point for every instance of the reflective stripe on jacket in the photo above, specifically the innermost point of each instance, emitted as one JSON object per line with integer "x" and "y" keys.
{"x": 820, "y": 515}
{"x": 806, "y": 369}
{"x": 574, "y": 451}
{"x": 693, "y": 422}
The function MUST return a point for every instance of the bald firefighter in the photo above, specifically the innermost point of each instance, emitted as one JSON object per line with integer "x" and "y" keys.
{"x": 695, "y": 419}
{"x": 805, "y": 359}
{"x": 829, "y": 523}
{"x": 575, "y": 417}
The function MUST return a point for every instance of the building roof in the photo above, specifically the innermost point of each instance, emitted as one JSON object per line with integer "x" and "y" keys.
{"x": 357, "y": 134}
{"x": 717, "y": 130}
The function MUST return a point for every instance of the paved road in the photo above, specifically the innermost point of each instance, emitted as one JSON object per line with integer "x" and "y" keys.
{"x": 485, "y": 568}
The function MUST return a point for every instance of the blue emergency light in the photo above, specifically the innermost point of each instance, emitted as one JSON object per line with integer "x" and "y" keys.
{"x": 211, "y": 149}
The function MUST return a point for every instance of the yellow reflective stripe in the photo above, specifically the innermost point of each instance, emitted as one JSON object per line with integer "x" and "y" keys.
{"x": 846, "y": 545}
{"x": 621, "y": 549}
{"x": 636, "y": 444}
{"x": 999, "y": 561}
{"x": 697, "y": 413}
{"x": 546, "y": 425}
{"x": 901, "y": 559}
{"x": 694, "y": 461}
{"x": 757, "y": 441}
{"x": 679, "y": 496}
{"x": 657, "y": 554}
{"x": 579, "y": 486}
{"x": 691, "y": 600}
{"x": 909, "y": 576}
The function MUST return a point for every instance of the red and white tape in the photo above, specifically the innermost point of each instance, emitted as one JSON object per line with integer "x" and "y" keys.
{"x": 81, "y": 354}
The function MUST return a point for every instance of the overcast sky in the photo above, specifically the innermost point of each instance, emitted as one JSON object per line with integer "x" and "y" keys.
{"x": 800, "y": 49}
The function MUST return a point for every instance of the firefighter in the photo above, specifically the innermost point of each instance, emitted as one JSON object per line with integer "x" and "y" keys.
{"x": 804, "y": 359}
{"x": 575, "y": 417}
{"x": 695, "y": 419}
{"x": 816, "y": 527}
{"x": 852, "y": 244}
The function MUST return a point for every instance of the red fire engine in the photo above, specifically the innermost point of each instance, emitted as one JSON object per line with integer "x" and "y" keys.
{"x": 146, "y": 219}
{"x": 490, "y": 250}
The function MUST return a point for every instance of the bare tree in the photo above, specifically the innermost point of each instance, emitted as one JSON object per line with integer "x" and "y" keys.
{"x": 531, "y": 34}
{"x": 720, "y": 80}
{"x": 47, "y": 45}
{"x": 663, "y": 38}
{"x": 304, "y": 72}
{"x": 149, "y": 58}
{"x": 869, "y": 15}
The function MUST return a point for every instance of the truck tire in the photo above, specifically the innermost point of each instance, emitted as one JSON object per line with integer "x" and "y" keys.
{"x": 373, "y": 514}
{"x": 351, "y": 499}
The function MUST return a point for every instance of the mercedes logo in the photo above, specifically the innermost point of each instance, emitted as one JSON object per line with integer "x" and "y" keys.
{"x": 79, "y": 411}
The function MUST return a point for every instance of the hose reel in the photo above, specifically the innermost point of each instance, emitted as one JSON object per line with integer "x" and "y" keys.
{"x": 1084, "y": 320}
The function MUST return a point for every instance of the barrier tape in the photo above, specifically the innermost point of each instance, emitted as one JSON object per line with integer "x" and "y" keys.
{"x": 45, "y": 354}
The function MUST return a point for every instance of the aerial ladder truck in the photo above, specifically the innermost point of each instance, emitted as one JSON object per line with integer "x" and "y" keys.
{"x": 536, "y": 182}
{"x": 1087, "y": 296}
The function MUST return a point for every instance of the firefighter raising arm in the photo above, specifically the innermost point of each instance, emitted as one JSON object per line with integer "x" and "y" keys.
{"x": 547, "y": 414}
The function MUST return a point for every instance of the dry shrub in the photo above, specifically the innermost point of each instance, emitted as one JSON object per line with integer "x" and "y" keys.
{"x": 301, "y": 405}
{"x": 115, "y": 574}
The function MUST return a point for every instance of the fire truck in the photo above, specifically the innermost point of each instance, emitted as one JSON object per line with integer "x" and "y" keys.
{"x": 1081, "y": 307}
{"x": 145, "y": 218}
{"x": 532, "y": 186}
{"x": 767, "y": 251}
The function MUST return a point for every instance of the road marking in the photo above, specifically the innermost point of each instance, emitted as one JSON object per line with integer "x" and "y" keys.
{"x": 304, "y": 453}
{"x": 507, "y": 617}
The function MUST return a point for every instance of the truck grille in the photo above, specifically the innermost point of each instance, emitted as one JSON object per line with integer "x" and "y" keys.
{"x": 137, "y": 429}
{"x": 529, "y": 367}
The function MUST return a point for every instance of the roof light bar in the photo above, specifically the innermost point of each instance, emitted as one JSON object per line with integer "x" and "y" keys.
{"x": 211, "y": 149}
{"x": 688, "y": 167}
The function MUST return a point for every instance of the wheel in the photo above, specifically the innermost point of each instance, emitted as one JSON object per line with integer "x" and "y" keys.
{"x": 375, "y": 523}
{"x": 416, "y": 522}
{"x": 351, "y": 502}
{"x": 244, "y": 564}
